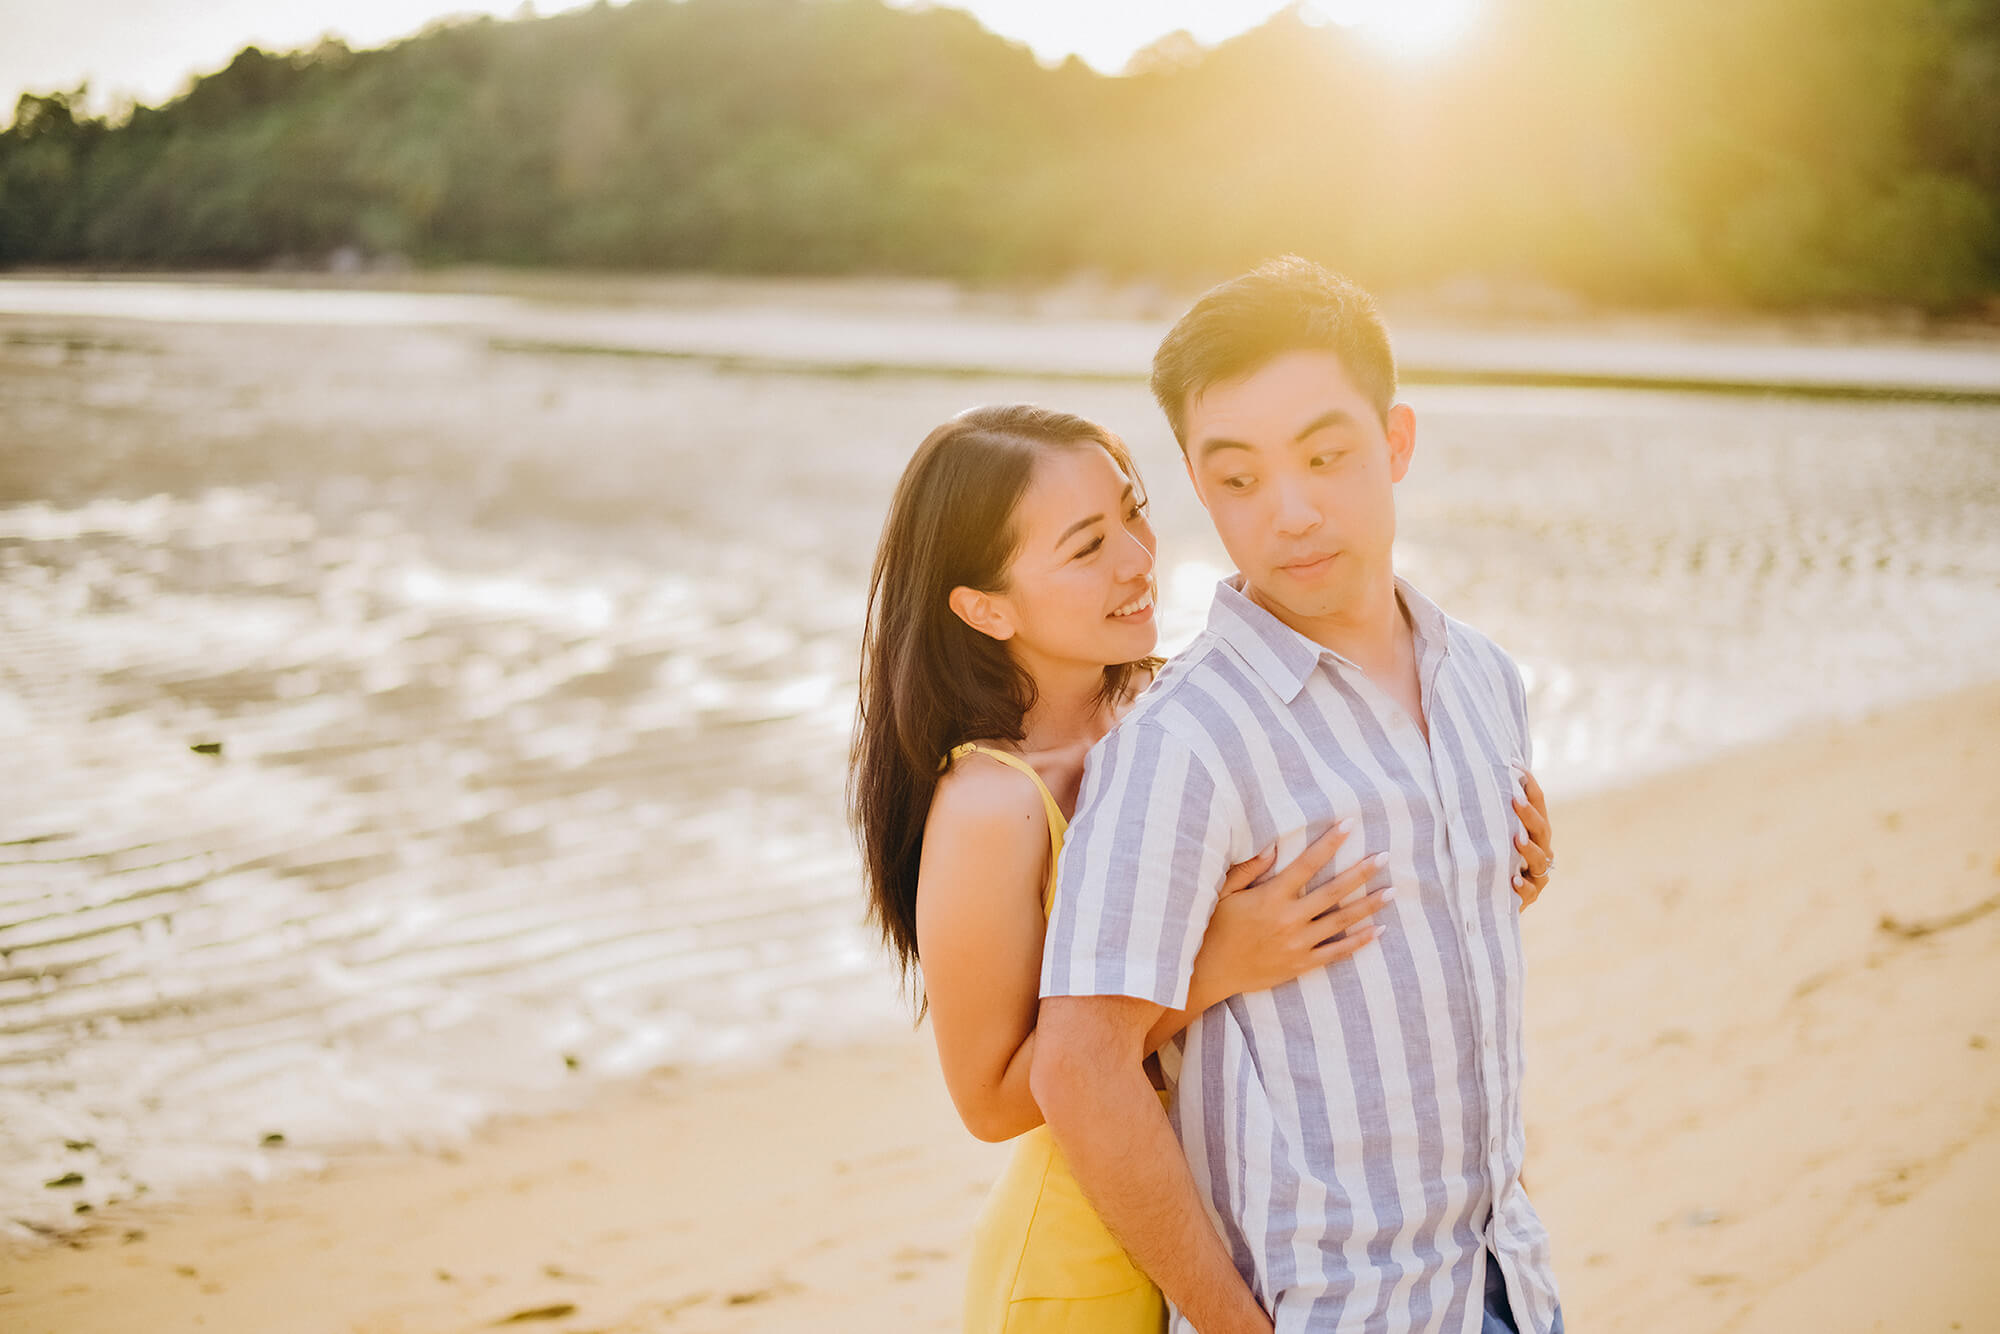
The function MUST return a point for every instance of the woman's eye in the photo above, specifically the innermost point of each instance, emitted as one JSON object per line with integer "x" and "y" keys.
{"x": 1091, "y": 546}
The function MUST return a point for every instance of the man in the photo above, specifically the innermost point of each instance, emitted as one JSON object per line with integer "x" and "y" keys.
{"x": 1349, "y": 1144}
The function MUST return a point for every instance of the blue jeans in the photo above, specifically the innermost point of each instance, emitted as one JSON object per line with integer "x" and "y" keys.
{"x": 1499, "y": 1314}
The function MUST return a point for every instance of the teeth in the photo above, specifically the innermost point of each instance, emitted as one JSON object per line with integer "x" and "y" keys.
{"x": 1136, "y": 605}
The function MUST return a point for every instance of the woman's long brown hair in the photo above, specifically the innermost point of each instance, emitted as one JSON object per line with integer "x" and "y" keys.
{"x": 929, "y": 681}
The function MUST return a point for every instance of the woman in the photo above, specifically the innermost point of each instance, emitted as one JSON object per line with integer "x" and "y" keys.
{"x": 1010, "y": 623}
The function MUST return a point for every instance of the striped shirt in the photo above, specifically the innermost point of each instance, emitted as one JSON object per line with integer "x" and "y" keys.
{"x": 1356, "y": 1132}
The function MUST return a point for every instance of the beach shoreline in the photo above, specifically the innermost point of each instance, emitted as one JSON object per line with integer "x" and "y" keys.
{"x": 1764, "y": 1095}
{"x": 1079, "y": 333}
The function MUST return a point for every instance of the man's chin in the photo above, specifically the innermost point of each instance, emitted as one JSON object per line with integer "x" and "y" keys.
{"x": 1290, "y": 600}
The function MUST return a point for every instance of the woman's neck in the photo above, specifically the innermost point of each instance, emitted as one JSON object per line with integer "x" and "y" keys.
{"x": 1068, "y": 710}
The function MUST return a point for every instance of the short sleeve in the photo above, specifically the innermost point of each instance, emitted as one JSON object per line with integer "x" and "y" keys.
{"x": 1142, "y": 865}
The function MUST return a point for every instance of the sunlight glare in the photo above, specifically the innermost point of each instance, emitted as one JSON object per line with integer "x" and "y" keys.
{"x": 1412, "y": 29}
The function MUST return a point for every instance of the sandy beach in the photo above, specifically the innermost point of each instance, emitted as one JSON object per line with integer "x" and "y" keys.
{"x": 1764, "y": 1036}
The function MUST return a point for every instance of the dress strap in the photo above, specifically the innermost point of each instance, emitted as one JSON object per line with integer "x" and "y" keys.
{"x": 1058, "y": 824}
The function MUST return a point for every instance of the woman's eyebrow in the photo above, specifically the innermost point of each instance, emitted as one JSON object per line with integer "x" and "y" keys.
{"x": 1082, "y": 524}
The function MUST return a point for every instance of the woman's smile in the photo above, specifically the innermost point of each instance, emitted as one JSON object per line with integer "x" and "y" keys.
{"x": 1138, "y": 611}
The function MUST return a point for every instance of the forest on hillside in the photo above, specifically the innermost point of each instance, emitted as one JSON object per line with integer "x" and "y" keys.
{"x": 1766, "y": 153}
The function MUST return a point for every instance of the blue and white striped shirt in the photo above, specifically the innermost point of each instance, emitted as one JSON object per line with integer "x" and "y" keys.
{"x": 1357, "y": 1132}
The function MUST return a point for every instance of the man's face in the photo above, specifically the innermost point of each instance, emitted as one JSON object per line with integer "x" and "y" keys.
{"x": 1297, "y": 471}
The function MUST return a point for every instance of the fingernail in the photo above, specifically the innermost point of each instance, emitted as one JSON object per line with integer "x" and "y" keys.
{"x": 1388, "y": 893}
{"x": 1518, "y": 882}
{"x": 1345, "y": 824}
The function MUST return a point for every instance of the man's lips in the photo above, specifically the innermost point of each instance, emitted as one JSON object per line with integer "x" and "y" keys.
{"x": 1308, "y": 566}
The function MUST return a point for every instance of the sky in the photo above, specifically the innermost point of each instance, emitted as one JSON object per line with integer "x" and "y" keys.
{"x": 148, "y": 49}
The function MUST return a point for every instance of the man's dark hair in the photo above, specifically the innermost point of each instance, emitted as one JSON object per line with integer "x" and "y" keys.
{"x": 1283, "y": 305}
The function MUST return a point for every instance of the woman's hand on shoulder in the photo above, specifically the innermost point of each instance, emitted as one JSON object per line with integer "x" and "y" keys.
{"x": 1265, "y": 931}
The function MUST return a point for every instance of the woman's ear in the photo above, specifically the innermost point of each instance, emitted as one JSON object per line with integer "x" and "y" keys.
{"x": 982, "y": 612}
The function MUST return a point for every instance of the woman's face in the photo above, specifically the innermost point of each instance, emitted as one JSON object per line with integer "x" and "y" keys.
{"x": 1080, "y": 588}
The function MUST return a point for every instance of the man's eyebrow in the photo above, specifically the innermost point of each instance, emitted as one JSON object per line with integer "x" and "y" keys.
{"x": 1082, "y": 524}
{"x": 1216, "y": 444}
{"x": 1331, "y": 417}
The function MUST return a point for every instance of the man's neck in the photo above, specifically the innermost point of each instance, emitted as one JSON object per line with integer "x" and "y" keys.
{"x": 1370, "y": 632}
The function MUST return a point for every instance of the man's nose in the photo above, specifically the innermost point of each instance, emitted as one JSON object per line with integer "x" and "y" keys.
{"x": 1298, "y": 513}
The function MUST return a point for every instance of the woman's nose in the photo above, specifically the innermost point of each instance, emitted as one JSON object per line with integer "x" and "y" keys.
{"x": 1135, "y": 556}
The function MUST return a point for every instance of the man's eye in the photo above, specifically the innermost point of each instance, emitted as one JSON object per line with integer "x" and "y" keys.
{"x": 1237, "y": 483}
{"x": 1324, "y": 460}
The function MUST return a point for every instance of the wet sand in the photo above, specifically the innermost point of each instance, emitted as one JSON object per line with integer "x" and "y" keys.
{"x": 1765, "y": 1096}
{"x": 403, "y": 730}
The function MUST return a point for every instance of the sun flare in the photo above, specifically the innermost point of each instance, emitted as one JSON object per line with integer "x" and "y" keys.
{"x": 1411, "y": 29}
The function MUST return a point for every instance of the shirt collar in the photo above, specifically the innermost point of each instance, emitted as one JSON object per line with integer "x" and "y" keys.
{"x": 1285, "y": 659}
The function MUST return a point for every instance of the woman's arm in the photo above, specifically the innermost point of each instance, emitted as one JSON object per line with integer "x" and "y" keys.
{"x": 980, "y": 930}
{"x": 979, "y": 937}
{"x": 1263, "y": 934}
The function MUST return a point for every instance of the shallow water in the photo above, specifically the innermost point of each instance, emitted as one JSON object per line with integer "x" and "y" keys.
{"x": 528, "y": 678}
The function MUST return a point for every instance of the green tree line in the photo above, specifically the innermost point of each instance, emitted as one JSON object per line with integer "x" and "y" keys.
{"x": 1754, "y": 152}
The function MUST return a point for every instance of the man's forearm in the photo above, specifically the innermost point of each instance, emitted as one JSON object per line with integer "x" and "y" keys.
{"x": 1109, "y": 1123}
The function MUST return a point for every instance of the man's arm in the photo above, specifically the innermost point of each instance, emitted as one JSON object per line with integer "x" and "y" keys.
{"x": 1110, "y": 1125}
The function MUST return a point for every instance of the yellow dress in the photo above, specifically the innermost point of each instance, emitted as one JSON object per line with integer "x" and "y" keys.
{"x": 1042, "y": 1260}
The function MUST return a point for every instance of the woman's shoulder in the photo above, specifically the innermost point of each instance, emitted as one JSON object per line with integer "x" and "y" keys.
{"x": 980, "y": 790}
{"x": 986, "y": 824}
